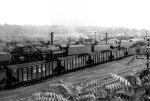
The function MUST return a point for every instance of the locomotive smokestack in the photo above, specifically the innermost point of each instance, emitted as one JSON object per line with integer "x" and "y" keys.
{"x": 106, "y": 38}
{"x": 52, "y": 35}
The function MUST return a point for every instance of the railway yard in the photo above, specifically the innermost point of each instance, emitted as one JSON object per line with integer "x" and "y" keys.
{"x": 74, "y": 51}
{"x": 83, "y": 76}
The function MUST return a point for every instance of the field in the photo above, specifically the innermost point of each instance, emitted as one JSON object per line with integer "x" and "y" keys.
{"x": 76, "y": 78}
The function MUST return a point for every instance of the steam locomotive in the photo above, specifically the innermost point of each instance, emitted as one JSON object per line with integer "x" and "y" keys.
{"x": 37, "y": 53}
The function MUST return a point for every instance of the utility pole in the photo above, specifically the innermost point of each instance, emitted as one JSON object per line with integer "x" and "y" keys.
{"x": 95, "y": 36}
{"x": 147, "y": 64}
{"x": 106, "y": 38}
{"x": 145, "y": 35}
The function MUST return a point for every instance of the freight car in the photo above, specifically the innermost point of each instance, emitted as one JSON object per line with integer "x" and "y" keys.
{"x": 25, "y": 73}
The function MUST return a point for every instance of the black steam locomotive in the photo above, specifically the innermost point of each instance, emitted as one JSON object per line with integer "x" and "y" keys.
{"x": 22, "y": 54}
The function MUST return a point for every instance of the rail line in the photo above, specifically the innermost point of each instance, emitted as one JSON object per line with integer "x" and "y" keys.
{"x": 79, "y": 81}
{"x": 74, "y": 81}
{"x": 106, "y": 79}
{"x": 82, "y": 72}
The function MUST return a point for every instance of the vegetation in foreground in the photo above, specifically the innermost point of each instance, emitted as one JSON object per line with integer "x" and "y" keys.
{"x": 134, "y": 87}
{"x": 131, "y": 88}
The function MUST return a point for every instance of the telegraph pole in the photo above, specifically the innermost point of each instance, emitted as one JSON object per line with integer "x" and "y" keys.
{"x": 95, "y": 37}
{"x": 147, "y": 64}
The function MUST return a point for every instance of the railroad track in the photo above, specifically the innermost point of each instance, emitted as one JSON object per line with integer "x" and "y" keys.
{"x": 92, "y": 74}
{"x": 44, "y": 85}
{"x": 83, "y": 76}
{"x": 98, "y": 75}
{"x": 106, "y": 79}
{"x": 103, "y": 66}
{"x": 68, "y": 75}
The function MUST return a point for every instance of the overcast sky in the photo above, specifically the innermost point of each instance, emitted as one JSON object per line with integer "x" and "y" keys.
{"x": 104, "y": 13}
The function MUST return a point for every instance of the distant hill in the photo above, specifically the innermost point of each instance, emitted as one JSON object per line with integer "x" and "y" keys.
{"x": 19, "y": 32}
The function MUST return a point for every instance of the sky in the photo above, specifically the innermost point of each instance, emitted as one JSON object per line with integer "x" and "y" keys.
{"x": 103, "y": 13}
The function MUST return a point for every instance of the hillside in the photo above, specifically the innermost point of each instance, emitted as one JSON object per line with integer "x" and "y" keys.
{"x": 19, "y": 32}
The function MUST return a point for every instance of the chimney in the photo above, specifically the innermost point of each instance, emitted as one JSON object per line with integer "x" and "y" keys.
{"x": 52, "y": 35}
{"x": 106, "y": 38}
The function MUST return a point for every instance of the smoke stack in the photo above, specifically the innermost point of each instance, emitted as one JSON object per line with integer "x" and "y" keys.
{"x": 106, "y": 38}
{"x": 52, "y": 35}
